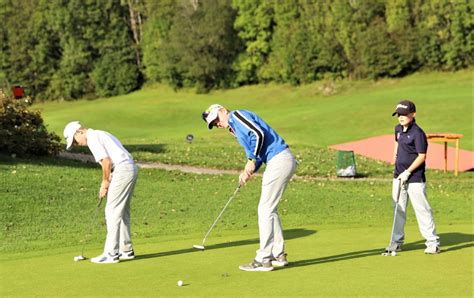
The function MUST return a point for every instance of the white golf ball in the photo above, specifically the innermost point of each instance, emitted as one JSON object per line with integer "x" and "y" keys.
{"x": 180, "y": 283}
{"x": 76, "y": 259}
{"x": 394, "y": 253}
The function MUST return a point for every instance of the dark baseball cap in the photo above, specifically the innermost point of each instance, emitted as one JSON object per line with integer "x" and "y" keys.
{"x": 404, "y": 107}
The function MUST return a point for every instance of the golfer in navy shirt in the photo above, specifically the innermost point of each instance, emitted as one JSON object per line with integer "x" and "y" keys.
{"x": 409, "y": 157}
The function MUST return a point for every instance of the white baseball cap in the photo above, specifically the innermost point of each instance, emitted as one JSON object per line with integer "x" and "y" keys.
{"x": 70, "y": 131}
{"x": 211, "y": 114}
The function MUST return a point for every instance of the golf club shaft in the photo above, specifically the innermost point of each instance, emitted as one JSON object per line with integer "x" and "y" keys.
{"x": 94, "y": 218}
{"x": 220, "y": 214}
{"x": 399, "y": 190}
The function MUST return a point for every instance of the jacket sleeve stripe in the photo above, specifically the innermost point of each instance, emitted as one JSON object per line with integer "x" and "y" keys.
{"x": 252, "y": 127}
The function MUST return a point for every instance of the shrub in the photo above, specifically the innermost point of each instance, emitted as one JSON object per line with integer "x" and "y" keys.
{"x": 22, "y": 132}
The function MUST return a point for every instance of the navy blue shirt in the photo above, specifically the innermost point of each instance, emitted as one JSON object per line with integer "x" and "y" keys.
{"x": 410, "y": 143}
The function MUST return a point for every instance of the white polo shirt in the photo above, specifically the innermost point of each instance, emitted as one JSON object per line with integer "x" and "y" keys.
{"x": 102, "y": 144}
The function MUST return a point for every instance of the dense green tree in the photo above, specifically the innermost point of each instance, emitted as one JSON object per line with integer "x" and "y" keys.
{"x": 377, "y": 53}
{"x": 458, "y": 48}
{"x": 44, "y": 53}
{"x": 254, "y": 24}
{"x": 445, "y": 33}
{"x": 94, "y": 37}
{"x": 286, "y": 38}
{"x": 67, "y": 49}
{"x": 16, "y": 30}
{"x": 4, "y": 51}
{"x": 397, "y": 15}
{"x": 116, "y": 66}
{"x": 202, "y": 45}
{"x": 155, "y": 36}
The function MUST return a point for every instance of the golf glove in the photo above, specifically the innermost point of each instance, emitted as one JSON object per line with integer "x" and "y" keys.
{"x": 403, "y": 177}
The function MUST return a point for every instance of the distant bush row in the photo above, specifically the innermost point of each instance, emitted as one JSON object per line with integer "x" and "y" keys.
{"x": 74, "y": 49}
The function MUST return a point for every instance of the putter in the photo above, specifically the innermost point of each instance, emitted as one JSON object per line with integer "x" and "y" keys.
{"x": 202, "y": 247}
{"x": 388, "y": 252}
{"x": 81, "y": 257}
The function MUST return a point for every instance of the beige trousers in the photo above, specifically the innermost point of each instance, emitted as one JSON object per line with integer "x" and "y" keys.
{"x": 277, "y": 174}
{"x": 417, "y": 194}
{"x": 117, "y": 210}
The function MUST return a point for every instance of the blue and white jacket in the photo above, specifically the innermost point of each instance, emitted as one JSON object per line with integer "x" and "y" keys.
{"x": 259, "y": 140}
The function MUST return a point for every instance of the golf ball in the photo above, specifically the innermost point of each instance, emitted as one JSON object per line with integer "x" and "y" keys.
{"x": 76, "y": 259}
{"x": 180, "y": 283}
{"x": 394, "y": 253}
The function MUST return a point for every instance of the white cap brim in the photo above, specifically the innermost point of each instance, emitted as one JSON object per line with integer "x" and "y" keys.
{"x": 211, "y": 117}
{"x": 69, "y": 142}
{"x": 70, "y": 131}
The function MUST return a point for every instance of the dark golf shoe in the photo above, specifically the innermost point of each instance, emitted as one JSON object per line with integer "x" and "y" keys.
{"x": 127, "y": 255}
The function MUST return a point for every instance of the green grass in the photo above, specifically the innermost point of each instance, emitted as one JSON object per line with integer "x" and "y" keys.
{"x": 326, "y": 261}
{"x": 49, "y": 203}
{"x": 302, "y": 115}
{"x": 335, "y": 232}
{"x": 153, "y": 123}
{"x": 335, "y": 228}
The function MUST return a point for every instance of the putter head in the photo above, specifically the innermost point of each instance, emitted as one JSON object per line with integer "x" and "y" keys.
{"x": 79, "y": 258}
{"x": 199, "y": 247}
{"x": 389, "y": 253}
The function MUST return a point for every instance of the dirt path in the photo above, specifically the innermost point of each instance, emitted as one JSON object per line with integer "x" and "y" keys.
{"x": 154, "y": 165}
{"x": 209, "y": 171}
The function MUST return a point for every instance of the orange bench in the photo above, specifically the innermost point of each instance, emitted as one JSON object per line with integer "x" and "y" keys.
{"x": 447, "y": 137}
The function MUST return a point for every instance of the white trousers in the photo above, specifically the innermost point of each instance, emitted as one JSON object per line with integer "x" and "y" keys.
{"x": 277, "y": 174}
{"x": 417, "y": 194}
{"x": 117, "y": 210}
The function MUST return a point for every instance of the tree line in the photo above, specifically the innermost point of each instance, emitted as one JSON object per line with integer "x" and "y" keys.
{"x": 69, "y": 49}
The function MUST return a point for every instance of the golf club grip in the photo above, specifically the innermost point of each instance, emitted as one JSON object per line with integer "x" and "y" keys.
{"x": 399, "y": 190}
{"x": 99, "y": 201}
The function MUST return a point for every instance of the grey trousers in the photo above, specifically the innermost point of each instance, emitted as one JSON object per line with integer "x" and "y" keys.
{"x": 277, "y": 174}
{"x": 117, "y": 209}
{"x": 417, "y": 194}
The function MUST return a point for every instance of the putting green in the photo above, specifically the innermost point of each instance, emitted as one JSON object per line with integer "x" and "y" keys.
{"x": 324, "y": 260}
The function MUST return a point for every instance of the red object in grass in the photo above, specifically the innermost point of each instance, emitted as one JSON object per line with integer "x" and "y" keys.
{"x": 18, "y": 92}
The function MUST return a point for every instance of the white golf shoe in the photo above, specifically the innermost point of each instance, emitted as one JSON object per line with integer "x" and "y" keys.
{"x": 257, "y": 266}
{"x": 280, "y": 261}
{"x": 432, "y": 250}
{"x": 394, "y": 246}
{"x": 106, "y": 258}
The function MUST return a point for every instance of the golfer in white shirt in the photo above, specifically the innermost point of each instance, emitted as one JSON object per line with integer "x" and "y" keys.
{"x": 119, "y": 175}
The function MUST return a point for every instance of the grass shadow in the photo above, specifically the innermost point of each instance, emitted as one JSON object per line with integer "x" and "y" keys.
{"x": 289, "y": 234}
{"x": 79, "y": 157}
{"x": 455, "y": 241}
{"x": 357, "y": 176}
{"x": 150, "y": 148}
{"x": 57, "y": 161}
{"x": 335, "y": 258}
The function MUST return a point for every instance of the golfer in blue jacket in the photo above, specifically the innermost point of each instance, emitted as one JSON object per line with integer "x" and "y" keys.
{"x": 262, "y": 145}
